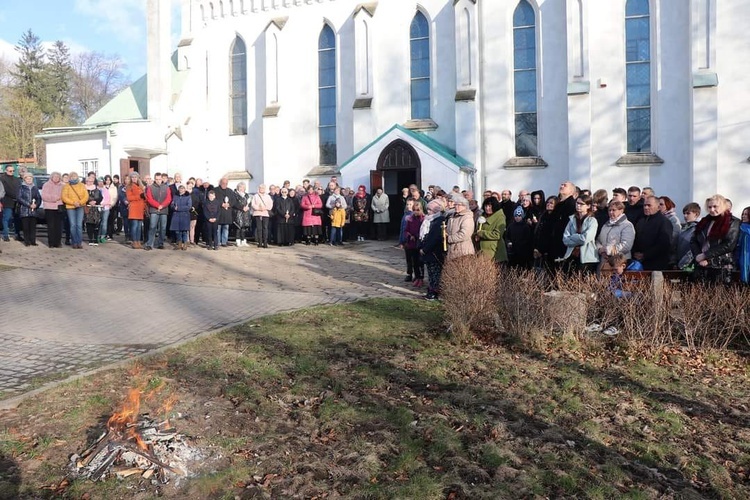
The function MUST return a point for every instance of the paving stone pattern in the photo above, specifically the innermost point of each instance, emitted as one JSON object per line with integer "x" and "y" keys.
{"x": 67, "y": 311}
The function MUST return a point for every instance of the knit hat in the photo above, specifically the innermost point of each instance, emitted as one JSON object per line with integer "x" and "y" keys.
{"x": 435, "y": 206}
{"x": 518, "y": 212}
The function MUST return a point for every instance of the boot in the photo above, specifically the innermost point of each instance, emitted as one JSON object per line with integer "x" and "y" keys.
{"x": 184, "y": 246}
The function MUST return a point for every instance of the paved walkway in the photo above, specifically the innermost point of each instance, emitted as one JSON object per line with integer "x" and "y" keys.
{"x": 67, "y": 311}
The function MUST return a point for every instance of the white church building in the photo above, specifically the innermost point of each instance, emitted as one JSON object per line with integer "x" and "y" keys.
{"x": 484, "y": 94}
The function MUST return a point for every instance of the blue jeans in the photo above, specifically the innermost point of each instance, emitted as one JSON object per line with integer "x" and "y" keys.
{"x": 136, "y": 228}
{"x": 181, "y": 236}
{"x": 158, "y": 223}
{"x": 103, "y": 225}
{"x": 7, "y": 217}
{"x": 336, "y": 235}
{"x": 222, "y": 234}
{"x": 75, "y": 216}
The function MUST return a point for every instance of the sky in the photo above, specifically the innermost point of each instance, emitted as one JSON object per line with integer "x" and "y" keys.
{"x": 112, "y": 27}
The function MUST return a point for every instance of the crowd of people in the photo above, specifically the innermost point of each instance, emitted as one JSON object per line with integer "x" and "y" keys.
{"x": 575, "y": 231}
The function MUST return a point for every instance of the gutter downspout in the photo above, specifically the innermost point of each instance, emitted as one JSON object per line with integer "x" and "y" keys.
{"x": 480, "y": 84}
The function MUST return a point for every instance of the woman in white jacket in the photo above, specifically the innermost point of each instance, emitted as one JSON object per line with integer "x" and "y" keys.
{"x": 617, "y": 234}
{"x": 579, "y": 238}
{"x": 381, "y": 217}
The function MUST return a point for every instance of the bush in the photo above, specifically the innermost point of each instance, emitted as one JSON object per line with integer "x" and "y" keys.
{"x": 467, "y": 288}
{"x": 519, "y": 296}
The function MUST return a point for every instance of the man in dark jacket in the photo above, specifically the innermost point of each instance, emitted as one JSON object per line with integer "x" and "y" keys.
{"x": 653, "y": 237}
{"x": 225, "y": 195}
{"x": 634, "y": 206}
{"x": 11, "y": 185}
{"x": 566, "y": 206}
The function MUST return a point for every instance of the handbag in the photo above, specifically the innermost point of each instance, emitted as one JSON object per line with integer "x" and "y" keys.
{"x": 61, "y": 208}
{"x": 317, "y": 211}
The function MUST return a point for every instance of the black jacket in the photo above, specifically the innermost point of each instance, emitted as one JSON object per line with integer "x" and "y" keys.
{"x": 225, "y": 214}
{"x": 432, "y": 244}
{"x": 653, "y": 238}
{"x": 634, "y": 213}
{"x": 720, "y": 253}
{"x": 560, "y": 218}
{"x": 11, "y": 185}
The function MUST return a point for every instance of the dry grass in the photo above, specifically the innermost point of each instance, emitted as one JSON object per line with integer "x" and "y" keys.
{"x": 653, "y": 316}
{"x": 468, "y": 292}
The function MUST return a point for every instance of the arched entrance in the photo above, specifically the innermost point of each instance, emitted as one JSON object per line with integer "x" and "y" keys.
{"x": 398, "y": 166}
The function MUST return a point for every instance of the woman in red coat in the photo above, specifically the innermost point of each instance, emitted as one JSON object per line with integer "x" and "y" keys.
{"x": 136, "y": 208}
{"x": 312, "y": 209}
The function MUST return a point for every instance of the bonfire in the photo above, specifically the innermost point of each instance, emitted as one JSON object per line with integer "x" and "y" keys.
{"x": 135, "y": 444}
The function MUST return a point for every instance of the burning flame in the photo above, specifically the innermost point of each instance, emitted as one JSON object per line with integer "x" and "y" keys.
{"x": 125, "y": 419}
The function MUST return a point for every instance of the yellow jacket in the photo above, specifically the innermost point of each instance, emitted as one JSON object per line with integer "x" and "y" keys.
{"x": 72, "y": 193}
{"x": 338, "y": 217}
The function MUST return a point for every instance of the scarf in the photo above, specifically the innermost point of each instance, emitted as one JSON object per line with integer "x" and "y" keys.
{"x": 425, "y": 227}
{"x": 719, "y": 225}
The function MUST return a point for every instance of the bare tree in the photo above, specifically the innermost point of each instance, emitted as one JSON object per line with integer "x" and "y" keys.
{"x": 97, "y": 78}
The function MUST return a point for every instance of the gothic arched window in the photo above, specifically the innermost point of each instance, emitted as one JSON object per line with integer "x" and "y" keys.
{"x": 419, "y": 39}
{"x": 638, "y": 75}
{"x": 524, "y": 80}
{"x": 238, "y": 88}
{"x": 327, "y": 96}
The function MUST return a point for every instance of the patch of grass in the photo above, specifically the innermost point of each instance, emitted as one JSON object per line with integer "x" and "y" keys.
{"x": 380, "y": 404}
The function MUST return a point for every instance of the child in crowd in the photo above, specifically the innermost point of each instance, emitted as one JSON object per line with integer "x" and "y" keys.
{"x": 617, "y": 280}
{"x": 338, "y": 220}
{"x": 402, "y": 239}
{"x": 211, "y": 214}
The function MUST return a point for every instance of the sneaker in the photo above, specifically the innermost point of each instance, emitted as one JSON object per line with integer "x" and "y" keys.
{"x": 408, "y": 278}
{"x": 91, "y": 243}
{"x": 431, "y": 296}
{"x": 594, "y": 328}
{"x": 610, "y": 331}
{"x": 147, "y": 247}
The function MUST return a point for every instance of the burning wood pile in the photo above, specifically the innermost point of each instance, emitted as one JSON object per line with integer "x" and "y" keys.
{"x": 135, "y": 444}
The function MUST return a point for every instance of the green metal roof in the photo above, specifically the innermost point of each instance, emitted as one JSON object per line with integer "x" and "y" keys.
{"x": 132, "y": 103}
{"x": 430, "y": 143}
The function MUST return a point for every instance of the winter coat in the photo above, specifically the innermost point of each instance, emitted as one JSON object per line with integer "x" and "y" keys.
{"x": 262, "y": 205}
{"x": 543, "y": 233}
{"x": 181, "y": 204}
{"x": 743, "y": 257}
{"x": 682, "y": 245}
{"x": 224, "y": 195}
{"x": 460, "y": 230}
{"x": 158, "y": 195}
{"x": 432, "y": 244}
{"x": 585, "y": 240}
{"x": 360, "y": 209}
{"x": 619, "y": 234}
{"x": 211, "y": 209}
{"x": 74, "y": 193}
{"x": 561, "y": 217}
{"x": 136, "y": 202}
{"x": 338, "y": 217}
{"x": 331, "y": 201}
{"x": 634, "y": 213}
{"x": 240, "y": 217}
{"x": 122, "y": 201}
{"x": 490, "y": 233}
{"x": 380, "y": 205}
{"x": 653, "y": 238}
{"x": 411, "y": 231}
{"x": 26, "y": 195}
{"x": 720, "y": 253}
{"x": 282, "y": 206}
{"x": 520, "y": 243}
{"x": 52, "y": 195}
{"x": 11, "y": 185}
{"x": 308, "y": 202}
{"x": 95, "y": 195}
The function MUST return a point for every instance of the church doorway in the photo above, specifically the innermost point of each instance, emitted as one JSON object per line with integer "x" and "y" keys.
{"x": 398, "y": 166}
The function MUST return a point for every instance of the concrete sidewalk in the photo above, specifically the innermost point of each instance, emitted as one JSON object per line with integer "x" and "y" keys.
{"x": 68, "y": 311}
